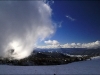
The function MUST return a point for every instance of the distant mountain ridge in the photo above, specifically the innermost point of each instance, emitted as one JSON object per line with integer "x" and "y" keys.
{"x": 72, "y": 51}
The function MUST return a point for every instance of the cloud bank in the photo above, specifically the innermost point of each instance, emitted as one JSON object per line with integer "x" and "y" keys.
{"x": 22, "y": 23}
{"x": 93, "y": 45}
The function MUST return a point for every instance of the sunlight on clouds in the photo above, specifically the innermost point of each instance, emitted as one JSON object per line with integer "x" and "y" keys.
{"x": 22, "y": 24}
{"x": 50, "y": 44}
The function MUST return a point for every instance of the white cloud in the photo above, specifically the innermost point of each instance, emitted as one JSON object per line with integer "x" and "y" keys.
{"x": 22, "y": 23}
{"x": 83, "y": 45}
{"x": 70, "y": 18}
{"x": 95, "y": 44}
{"x": 52, "y": 42}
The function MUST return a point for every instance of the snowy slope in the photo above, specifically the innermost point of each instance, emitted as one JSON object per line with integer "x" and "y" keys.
{"x": 82, "y": 67}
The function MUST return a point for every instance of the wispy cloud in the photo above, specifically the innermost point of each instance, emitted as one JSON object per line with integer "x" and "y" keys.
{"x": 70, "y": 18}
{"x": 50, "y": 2}
{"x": 60, "y": 24}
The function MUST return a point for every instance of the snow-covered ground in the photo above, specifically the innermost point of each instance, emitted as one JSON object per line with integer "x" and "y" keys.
{"x": 97, "y": 57}
{"x": 82, "y": 67}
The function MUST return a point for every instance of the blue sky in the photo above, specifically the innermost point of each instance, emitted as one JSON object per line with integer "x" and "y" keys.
{"x": 83, "y": 25}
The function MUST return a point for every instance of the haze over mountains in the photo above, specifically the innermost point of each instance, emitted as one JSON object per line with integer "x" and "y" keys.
{"x": 53, "y": 56}
{"x": 72, "y": 51}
